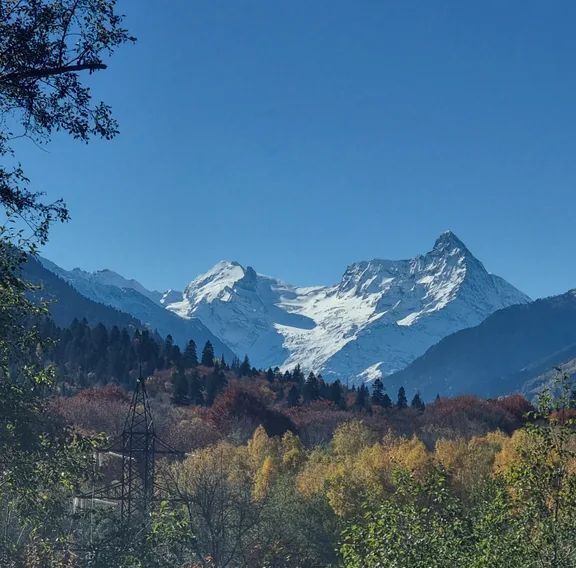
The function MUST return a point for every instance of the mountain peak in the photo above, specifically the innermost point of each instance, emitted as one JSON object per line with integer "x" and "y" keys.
{"x": 447, "y": 241}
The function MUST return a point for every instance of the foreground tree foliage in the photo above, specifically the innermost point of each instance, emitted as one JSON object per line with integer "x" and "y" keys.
{"x": 522, "y": 515}
{"x": 45, "y": 46}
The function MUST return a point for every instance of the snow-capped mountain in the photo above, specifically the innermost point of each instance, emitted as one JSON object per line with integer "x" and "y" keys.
{"x": 129, "y": 296}
{"x": 96, "y": 285}
{"x": 376, "y": 320}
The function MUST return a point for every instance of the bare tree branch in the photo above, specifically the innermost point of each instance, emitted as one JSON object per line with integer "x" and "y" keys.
{"x": 49, "y": 71}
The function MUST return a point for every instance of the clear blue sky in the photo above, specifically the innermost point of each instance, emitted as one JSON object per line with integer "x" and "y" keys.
{"x": 300, "y": 136}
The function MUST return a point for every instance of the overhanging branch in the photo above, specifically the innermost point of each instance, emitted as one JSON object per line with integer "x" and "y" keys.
{"x": 49, "y": 71}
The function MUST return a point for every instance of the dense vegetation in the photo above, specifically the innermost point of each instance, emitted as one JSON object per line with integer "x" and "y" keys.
{"x": 463, "y": 482}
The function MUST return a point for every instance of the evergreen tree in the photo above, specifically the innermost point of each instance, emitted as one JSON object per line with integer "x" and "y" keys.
{"x": 362, "y": 397}
{"x": 378, "y": 392}
{"x": 310, "y": 389}
{"x": 386, "y": 401}
{"x": 297, "y": 375}
{"x": 245, "y": 368}
{"x": 215, "y": 383}
{"x": 190, "y": 357}
{"x": 270, "y": 375}
{"x": 208, "y": 355}
{"x": 293, "y": 397}
{"x": 195, "y": 389}
{"x": 179, "y": 387}
{"x": 417, "y": 403}
{"x": 335, "y": 394}
{"x": 402, "y": 401}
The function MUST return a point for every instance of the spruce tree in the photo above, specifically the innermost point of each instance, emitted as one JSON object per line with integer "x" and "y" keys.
{"x": 293, "y": 397}
{"x": 310, "y": 389}
{"x": 335, "y": 394}
{"x": 362, "y": 397}
{"x": 402, "y": 400}
{"x": 179, "y": 387}
{"x": 417, "y": 403}
{"x": 378, "y": 392}
{"x": 270, "y": 375}
{"x": 208, "y": 355}
{"x": 297, "y": 374}
{"x": 245, "y": 367}
{"x": 190, "y": 356}
{"x": 386, "y": 401}
{"x": 195, "y": 389}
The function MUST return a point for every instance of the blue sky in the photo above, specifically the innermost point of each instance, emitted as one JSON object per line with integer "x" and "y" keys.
{"x": 299, "y": 137}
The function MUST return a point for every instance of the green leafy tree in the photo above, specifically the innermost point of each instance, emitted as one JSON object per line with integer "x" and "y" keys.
{"x": 46, "y": 48}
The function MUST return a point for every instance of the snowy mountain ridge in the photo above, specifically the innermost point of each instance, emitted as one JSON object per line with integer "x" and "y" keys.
{"x": 376, "y": 320}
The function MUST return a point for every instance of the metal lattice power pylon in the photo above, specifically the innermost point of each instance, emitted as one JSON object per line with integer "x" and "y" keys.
{"x": 137, "y": 448}
{"x": 138, "y": 455}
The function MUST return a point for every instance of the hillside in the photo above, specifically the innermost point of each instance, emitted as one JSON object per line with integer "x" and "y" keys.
{"x": 501, "y": 355}
{"x": 109, "y": 289}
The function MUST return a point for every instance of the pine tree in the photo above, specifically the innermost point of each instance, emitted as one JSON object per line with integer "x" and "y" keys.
{"x": 362, "y": 397}
{"x": 215, "y": 383}
{"x": 195, "y": 390}
{"x": 297, "y": 375}
{"x": 293, "y": 397}
{"x": 270, "y": 375}
{"x": 190, "y": 356}
{"x": 208, "y": 355}
{"x": 386, "y": 401}
{"x": 378, "y": 392}
{"x": 402, "y": 401}
{"x": 310, "y": 389}
{"x": 180, "y": 387}
{"x": 335, "y": 394}
{"x": 245, "y": 368}
{"x": 417, "y": 403}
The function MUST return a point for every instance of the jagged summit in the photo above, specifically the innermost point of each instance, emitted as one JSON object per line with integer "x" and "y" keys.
{"x": 448, "y": 239}
{"x": 378, "y": 318}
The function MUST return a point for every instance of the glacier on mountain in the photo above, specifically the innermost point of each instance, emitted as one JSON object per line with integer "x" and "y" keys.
{"x": 376, "y": 320}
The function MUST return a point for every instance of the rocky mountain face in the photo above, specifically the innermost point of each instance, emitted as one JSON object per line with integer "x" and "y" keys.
{"x": 380, "y": 317}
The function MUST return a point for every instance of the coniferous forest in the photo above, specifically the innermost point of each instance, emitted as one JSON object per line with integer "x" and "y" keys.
{"x": 243, "y": 467}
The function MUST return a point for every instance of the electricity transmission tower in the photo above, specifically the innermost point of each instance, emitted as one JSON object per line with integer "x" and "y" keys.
{"x": 137, "y": 449}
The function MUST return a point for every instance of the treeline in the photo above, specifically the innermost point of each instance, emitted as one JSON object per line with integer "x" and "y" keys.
{"x": 86, "y": 355}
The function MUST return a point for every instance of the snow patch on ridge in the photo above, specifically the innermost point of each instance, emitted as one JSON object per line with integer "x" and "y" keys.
{"x": 376, "y": 320}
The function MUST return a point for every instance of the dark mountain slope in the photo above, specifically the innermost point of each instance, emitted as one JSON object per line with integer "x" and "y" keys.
{"x": 498, "y": 356}
{"x": 66, "y": 304}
